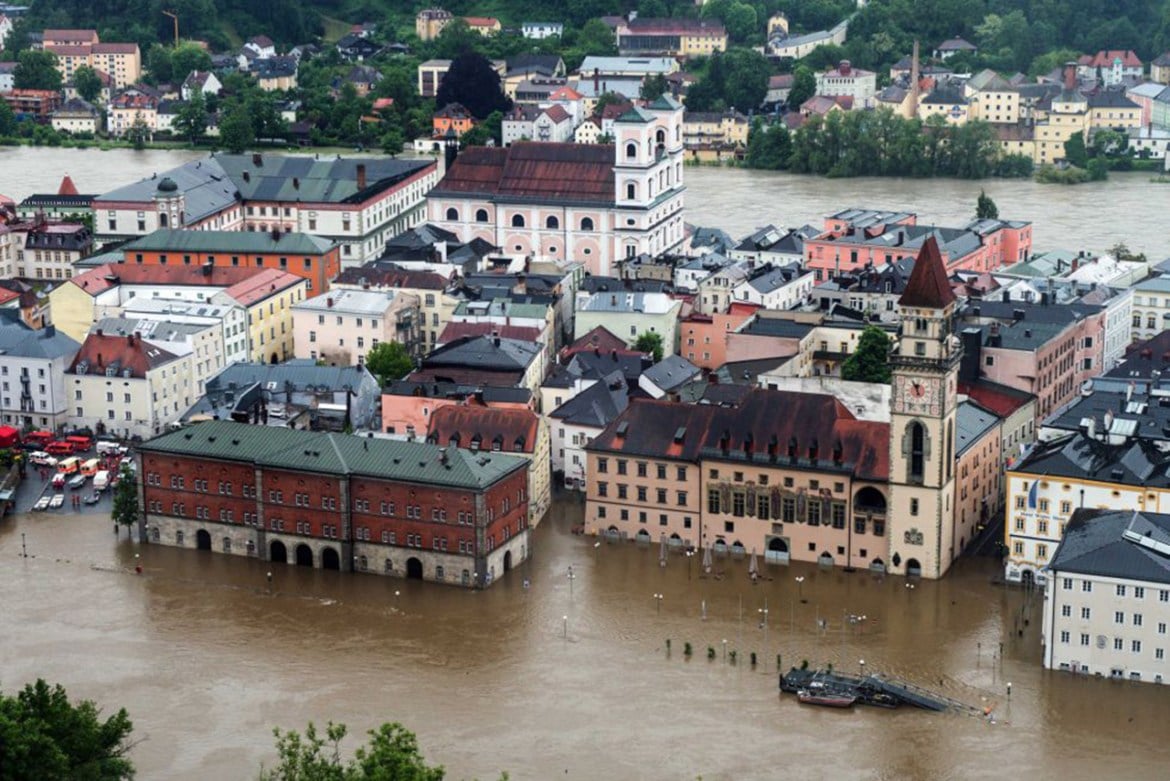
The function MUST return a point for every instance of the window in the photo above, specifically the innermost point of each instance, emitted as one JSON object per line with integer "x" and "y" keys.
{"x": 586, "y": 223}
{"x": 1137, "y": 619}
{"x": 917, "y": 448}
{"x": 603, "y": 465}
{"x": 1118, "y": 617}
{"x": 1066, "y": 611}
{"x": 713, "y": 500}
{"x": 641, "y": 493}
{"x": 631, "y": 191}
{"x": 662, "y": 496}
{"x": 1120, "y": 590}
{"x": 517, "y": 220}
{"x": 452, "y": 214}
{"x": 1085, "y": 613}
{"x": 1118, "y": 644}
{"x": 1064, "y": 636}
{"x": 481, "y": 215}
{"x": 1086, "y": 586}
{"x": 1139, "y": 592}
{"x": 552, "y": 223}
{"x": 1067, "y": 583}
{"x": 631, "y": 150}
{"x": 914, "y": 507}
{"x": 1084, "y": 639}
{"x": 1136, "y": 646}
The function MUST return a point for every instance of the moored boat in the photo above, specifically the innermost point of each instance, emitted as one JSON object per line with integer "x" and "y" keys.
{"x": 826, "y": 698}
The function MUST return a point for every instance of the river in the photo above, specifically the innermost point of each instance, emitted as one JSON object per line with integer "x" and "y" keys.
{"x": 565, "y": 679}
{"x": 1127, "y": 208}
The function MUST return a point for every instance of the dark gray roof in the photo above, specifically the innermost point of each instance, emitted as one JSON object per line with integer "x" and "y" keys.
{"x": 1115, "y": 544}
{"x": 671, "y": 372}
{"x": 451, "y": 390}
{"x": 767, "y": 278}
{"x": 774, "y": 326}
{"x": 19, "y": 341}
{"x": 206, "y": 187}
{"x": 1137, "y": 416}
{"x": 1134, "y": 462}
{"x": 289, "y": 178}
{"x": 485, "y": 352}
{"x": 301, "y": 374}
{"x": 596, "y": 406}
{"x": 971, "y": 423}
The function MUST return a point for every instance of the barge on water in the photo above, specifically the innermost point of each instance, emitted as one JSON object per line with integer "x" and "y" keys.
{"x": 873, "y": 690}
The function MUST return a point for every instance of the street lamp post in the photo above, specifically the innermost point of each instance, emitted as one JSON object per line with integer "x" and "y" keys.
{"x": 725, "y": 656}
{"x": 565, "y": 626}
{"x": 690, "y": 554}
{"x": 800, "y": 588}
{"x": 572, "y": 577}
{"x": 763, "y": 611}
{"x": 658, "y": 603}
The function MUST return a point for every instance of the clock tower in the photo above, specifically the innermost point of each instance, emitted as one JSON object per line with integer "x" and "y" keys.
{"x": 925, "y": 366}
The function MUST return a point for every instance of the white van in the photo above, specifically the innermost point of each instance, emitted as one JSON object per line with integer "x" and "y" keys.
{"x": 105, "y": 446}
{"x": 101, "y": 480}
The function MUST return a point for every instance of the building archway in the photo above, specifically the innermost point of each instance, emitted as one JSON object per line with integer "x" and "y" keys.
{"x": 869, "y": 500}
{"x": 277, "y": 552}
{"x": 1027, "y": 578}
{"x": 777, "y": 550}
{"x": 913, "y": 568}
{"x": 877, "y": 565}
{"x": 737, "y": 548}
{"x": 330, "y": 559}
{"x": 414, "y": 568}
{"x": 203, "y": 539}
{"x": 304, "y": 555}
{"x": 642, "y": 536}
{"x": 507, "y": 560}
{"x": 825, "y": 559}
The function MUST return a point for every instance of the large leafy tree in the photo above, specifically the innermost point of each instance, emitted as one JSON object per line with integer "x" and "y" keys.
{"x": 737, "y": 78}
{"x": 474, "y": 83}
{"x": 87, "y": 83}
{"x": 235, "y": 129}
{"x": 187, "y": 57}
{"x": 191, "y": 120}
{"x": 389, "y": 361}
{"x": 125, "y": 509}
{"x": 37, "y": 70}
{"x": 985, "y": 208}
{"x": 650, "y": 342}
{"x": 7, "y": 119}
{"x": 870, "y": 362}
{"x": 391, "y": 755}
{"x": 44, "y": 735}
{"x": 804, "y": 86}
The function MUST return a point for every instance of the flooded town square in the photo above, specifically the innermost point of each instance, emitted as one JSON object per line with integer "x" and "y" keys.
{"x": 547, "y": 676}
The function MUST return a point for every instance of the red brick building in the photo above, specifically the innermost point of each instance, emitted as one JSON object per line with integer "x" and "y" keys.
{"x": 336, "y": 501}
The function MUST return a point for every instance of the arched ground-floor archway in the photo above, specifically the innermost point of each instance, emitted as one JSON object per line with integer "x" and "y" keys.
{"x": 278, "y": 552}
{"x": 414, "y": 568}
{"x": 304, "y": 556}
{"x": 737, "y": 548}
{"x": 913, "y": 568}
{"x": 877, "y": 565}
{"x": 330, "y": 559}
{"x": 825, "y": 559}
{"x": 777, "y": 551}
{"x": 642, "y": 536}
{"x": 1028, "y": 578}
{"x": 507, "y": 561}
{"x": 203, "y": 539}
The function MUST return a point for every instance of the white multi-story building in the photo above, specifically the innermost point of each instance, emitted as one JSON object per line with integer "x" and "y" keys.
{"x": 541, "y": 30}
{"x": 125, "y": 386}
{"x": 32, "y": 375}
{"x": 358, "y": 203}
{"x": 1151, "y": 308}
{"x": 845, "y": 80}
{"x": 629, "y": 315}
{"x": 592, "y": 405}
{"x": 342, "y": 326}
{"x": 775, "y": 287}
{"x": 182, "y": 331}
{"x": 1107, "y": 600}
{"x": 588, "y": 202}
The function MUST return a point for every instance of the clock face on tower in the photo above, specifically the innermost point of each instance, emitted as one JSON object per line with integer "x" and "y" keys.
{"x": 917, "y": 395}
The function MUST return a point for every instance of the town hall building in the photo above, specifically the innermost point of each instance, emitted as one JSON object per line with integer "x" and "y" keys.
{"x": 590, "y": 203}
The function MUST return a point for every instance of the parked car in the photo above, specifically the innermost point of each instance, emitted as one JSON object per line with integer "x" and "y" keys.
{"x": 42, "y": 503}
{"x": 58, "y": 500}
{"x": 59, "y": 448}
{"x": 77, "y": 481}
{"x": 93, "y": 498}
{"x": 41, "y": 458}
{"x": 58, "y": 481}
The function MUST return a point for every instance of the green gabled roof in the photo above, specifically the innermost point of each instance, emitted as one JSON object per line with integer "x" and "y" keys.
{"x": 664, "y": 102}
{"x": 338, "y": 454}
{"x": 230, "y": 241}
{"x": 635, "y": 114}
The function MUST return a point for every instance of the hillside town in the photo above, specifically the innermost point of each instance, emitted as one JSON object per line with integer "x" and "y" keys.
{"x": 476, "y": 300}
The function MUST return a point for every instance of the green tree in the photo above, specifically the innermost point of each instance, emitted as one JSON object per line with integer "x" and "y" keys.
{"x": 391, "y": 755}
{"x": 235, "y": 129}
{"x": 191, "y": 121}
{"x": 7, "y": 120}
{"x": 768, "y": 147}
{"x": 1075, "y": 152}
{"x": 741, "y": 21}
{"x": 158, "y": 63}
{"x": 985, "y": 208}
{"x": 43, "y": 735}
{"x": 804, "y": 86}
{"x": 187, "y": 57}
{"x": 650, "y": 342}
{"x": 654, "y": 87}
{"x": 139, "y": 132}
{"x": 37, "y": 70}
{"x": 87, "y": 83}
{"x": 125, "y": 509}
{"x": 389, "y": 361}
{"x": 392, "y": 141}
{"x": 606, "y": 99}
{"x": 472, "y": 82}
{"x": 870, "y": 362}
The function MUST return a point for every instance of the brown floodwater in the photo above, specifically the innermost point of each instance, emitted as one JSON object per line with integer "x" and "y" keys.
{"x": 563, "y": 679}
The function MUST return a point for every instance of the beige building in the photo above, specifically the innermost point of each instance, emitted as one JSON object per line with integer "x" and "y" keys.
{"x": 122, "y": 62}
{"x": 429, "y": 22}
{"x": 341, "y": 327}
{"x": 706, "y": 129}
{"x": 124, "y": 386}
{"x": 674, "y": 37}
{"x": 991, "y": 98}
{"x": 268, "y": 296}
{"x": 436, "y": 305}
{"x": 1107, "y": 600}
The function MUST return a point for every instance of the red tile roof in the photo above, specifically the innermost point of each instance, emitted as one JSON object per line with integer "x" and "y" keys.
{"x": 67, "y": 187}
{"x": 261, "y": 285}
{"x": 373, "y": 277}
{"x": 1000, "y": 399}
{"x": 928, "y": 286}
{"x": 578, "y": 173}
{"x": 675, "y": 26}
{"x": 766, "y": 419}
{"x": 515, "y": 430}
{"x": 481, "y": 21}
{"x": 557, "y": 113}
{"x": 104, "y": 351}
{"x": 454, "y": 331}
{"x": 599, "y": 338}
{"x": 115, "y": 48}
{"x": 1105, "y": 58}
{"x": 104, "y": 277}
{"x": 81, "y": 36}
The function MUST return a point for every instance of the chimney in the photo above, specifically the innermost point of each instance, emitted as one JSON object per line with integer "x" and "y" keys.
{"x": 596, "y": 82}
{"x": 329, "y": 301}
{"x": 812, "y": 450}
{"x": 844, "y": 67}
{"x": 247, "y": 177}
{"x": 257, "y": 160}
{"x": 838, "y": 452}
{"x": 99, "y": 332}
{"x": 792, "y": 447}
{"x": 296, "y": 183}
{"x": 361, "y": 176}
{"x": 1076, "y": 263}
{"x": 1070, "y": 76}
{"x": 915, "y": 88}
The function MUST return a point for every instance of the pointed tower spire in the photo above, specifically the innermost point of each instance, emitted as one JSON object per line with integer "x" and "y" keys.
{"x": 928, "y": 287}
{"x": 67, "y": 187}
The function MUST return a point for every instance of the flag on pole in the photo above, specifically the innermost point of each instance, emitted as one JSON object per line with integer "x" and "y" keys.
{"x": 1033, "y": 493}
